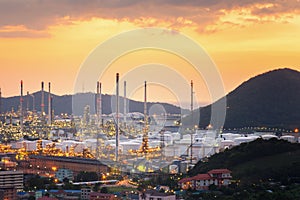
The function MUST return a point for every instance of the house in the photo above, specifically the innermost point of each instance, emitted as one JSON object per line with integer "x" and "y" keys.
{"x": 85, "y": 193}
{"x": 62, "y": 173}
{"x": 217, "y": 177}
{"x": 101, "y": 196}
{"x": 186, "y": 183}
{"x": 222, "y": 175}
{"x": 203, "y": 181}
{"x": 155, "y": 195}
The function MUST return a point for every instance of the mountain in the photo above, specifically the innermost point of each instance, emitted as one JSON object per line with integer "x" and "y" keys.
{"x": 271, "y": 99}
{"x": 267, "y": 100}
{"x": 64, "y": 104}
{"x": 257, "y": 160}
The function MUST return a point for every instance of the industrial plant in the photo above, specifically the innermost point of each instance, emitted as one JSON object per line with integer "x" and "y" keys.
{"x": 61, "y": 146}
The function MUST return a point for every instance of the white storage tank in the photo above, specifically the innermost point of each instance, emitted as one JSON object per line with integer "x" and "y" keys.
{"x": 230, "y": 136}
{"x": 129, "y": 146}
{"x": 268, "y": 136}
{"x": 30, "y": 145}
{"x": 240, "y": 140}
{"x": 289, "y": 138}
{"x": 226, "y": 144}
{"x": 176, "y": 136}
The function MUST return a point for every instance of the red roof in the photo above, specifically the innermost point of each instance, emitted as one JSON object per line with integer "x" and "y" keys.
{"x": 219, "y": 171}
{"x": 184, "y": 180}
{"x": 201, "y": 177}
{"x": 205, "y": 176}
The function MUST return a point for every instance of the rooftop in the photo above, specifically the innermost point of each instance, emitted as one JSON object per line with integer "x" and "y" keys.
{"x": 219, "y": 171}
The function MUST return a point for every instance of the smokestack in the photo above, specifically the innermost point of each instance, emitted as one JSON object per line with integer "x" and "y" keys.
{"x": 192, "y": 116}
{"x": 192, "y": 93}
{"x": 49, "y": 122}
{"x": 145, "y": 105}
{"x": 125, "y": 103}
{"x": 52, "y": 109}
{"x": 99, "y": 104}
{"x": 42, "y": 102}
{"x": 21, "y": 107}
{"x": 117, "y": 117}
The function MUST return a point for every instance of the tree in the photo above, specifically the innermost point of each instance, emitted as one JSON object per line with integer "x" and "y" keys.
{"x": 87, "y": 176}
{"x": 66, "y": 180}
{"x": 104, "y": 190}
{"x": 96, "y": 187}
{"x": 31, "y": 198}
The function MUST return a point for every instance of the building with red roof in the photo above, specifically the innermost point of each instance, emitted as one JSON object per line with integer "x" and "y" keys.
{"x": 155, "y": 195}
{"x": 102, "y": 196}
{"x": 222, "y": 175}
{"x": 217, "y": 177}
{"x": 186, "y": 183}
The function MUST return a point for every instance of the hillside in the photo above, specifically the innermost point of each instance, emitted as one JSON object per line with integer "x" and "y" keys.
{"x": 267, "y": 100}
{"x": 257, "y": 160}
{"x": 63, "y": 104}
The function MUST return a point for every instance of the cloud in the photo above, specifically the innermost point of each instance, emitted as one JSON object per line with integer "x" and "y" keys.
{"x": 21, "y": 31}
{"x": 37, "y": 15}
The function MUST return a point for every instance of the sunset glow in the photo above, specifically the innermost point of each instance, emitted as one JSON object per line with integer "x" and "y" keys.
{"x": 48, "y": 41}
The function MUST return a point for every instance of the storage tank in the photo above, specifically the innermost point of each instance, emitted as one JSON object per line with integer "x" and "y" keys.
{"x": 268, "y": 136}
{"x": 129, "y": 146}
{"x": 230, "y": 136}
{"x": 240, "y": 140}
{"x": 226, "y": 144}
{"x": 289, "y": 138}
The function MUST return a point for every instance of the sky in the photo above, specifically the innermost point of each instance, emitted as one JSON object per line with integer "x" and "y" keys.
{"x": 49, "y": 41}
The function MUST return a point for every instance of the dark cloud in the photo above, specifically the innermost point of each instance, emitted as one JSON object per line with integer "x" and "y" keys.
{"x": 39, "y": 14}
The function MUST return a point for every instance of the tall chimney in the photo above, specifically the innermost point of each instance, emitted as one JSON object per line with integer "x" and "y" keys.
{"x": 49, "y": 122}
{"x": 192, "y": 99}
{"x": 117, "y": 117}
{"x": 42, "y": 101}
{"x": 52, "y": 109}
{"x": 99, "y": 104}
{"x": 125, "y": 103}
{"x": 145, "y": 105}
{"x": 192, "y": 116}
{"x": 21, "y": 107}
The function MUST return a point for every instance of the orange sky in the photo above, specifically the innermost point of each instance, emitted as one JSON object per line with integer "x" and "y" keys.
{"x": 48, "y": 41}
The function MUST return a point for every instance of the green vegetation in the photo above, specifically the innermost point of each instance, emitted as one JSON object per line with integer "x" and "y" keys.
{"x": 36, "y": 182}
{"x": 262, "y": 169}
{"x": 113, "y": 190}
{"x": 86, "y": 176}
{"x": 258, "y": 160}
{"x": 268, "y": 100}
{"x": 266, "y": 191}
